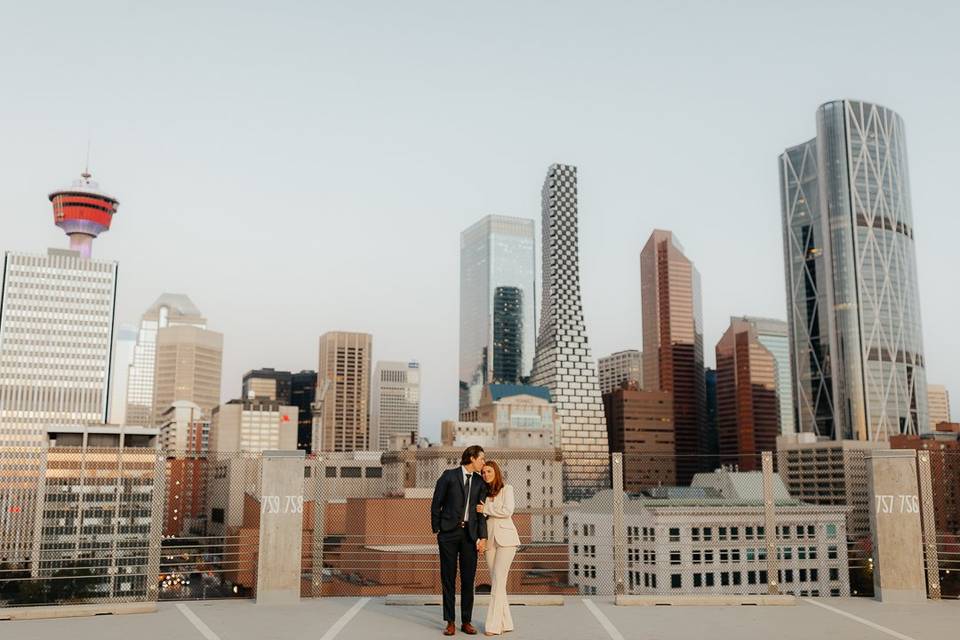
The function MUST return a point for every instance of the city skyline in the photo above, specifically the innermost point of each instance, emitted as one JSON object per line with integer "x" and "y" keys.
{"x": 223, "y": 211}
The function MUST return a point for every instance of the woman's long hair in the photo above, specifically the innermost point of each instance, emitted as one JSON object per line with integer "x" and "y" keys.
{"x": 494, "y": 487}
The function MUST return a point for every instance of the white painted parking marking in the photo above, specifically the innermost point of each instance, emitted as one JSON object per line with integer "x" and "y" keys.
{"x": 197, "y": 622}
{"x": 344, "y": 619}
{"x": 603, "y": 620}
{"x": 864, "y": 621}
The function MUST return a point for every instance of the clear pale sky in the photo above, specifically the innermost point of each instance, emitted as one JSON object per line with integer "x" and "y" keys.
{"x": 301, "y": 167}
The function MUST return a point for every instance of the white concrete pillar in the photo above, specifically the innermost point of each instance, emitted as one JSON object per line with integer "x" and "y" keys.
{"x": 895, "y": 526}
{"x": 281, "y": 527}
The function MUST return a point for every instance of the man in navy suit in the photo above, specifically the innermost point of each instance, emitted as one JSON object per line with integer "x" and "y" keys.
{"x": 461, "y": 534}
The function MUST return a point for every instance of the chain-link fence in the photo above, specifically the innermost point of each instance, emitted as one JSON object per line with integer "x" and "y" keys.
{"x": 101, "y": 516}
{"x": 731, "y": 531}
{"x": 211, "y": 526}
{"x": 943, "y": 534}
{"x": 375, "y": 535}
{"x": 87, "y": 523}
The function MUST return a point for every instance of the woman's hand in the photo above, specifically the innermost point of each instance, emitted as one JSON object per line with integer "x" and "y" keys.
{"x": 479, "y": 507}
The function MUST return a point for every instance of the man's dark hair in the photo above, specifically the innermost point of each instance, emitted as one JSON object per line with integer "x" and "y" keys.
{"x": 470, "y": 453}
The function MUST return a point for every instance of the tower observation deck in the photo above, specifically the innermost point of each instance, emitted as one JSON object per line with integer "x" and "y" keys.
{"x": 83, "y": 211}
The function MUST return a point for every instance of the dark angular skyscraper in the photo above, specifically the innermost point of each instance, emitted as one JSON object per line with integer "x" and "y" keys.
{"x": 303, "y": 391}
{"x": 507, "y": 335}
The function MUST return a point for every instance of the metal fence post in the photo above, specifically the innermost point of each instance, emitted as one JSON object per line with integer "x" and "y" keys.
{"x": 770, "y": 524}
{"x": 319, "y": 524}
{"x": 155, "y": 540}
{"x": 929, "y": 525}
{"x": 619, "y": 528}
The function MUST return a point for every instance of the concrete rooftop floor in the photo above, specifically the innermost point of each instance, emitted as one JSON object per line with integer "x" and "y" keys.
{"x": 578, "y": 618}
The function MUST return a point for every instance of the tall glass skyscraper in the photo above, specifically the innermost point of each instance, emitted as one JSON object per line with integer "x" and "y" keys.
{"x": 850, "y": 264}
{"x": 497, "y": 307}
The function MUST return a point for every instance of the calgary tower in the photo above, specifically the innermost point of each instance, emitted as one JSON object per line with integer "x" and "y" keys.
{"x": 83, "y": 211}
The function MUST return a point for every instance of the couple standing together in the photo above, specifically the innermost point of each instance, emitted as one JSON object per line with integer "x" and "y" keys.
{"x": 470, "y": 514}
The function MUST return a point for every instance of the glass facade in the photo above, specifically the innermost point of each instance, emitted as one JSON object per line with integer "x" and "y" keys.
{"x": 673, "y": 343}
{"x": 507, "y": 335}
{"x": 496, "y": 254}
{"x": 749, "y": 392}
{"x": 806, "y": 275}
{"x": 874, "y": 355}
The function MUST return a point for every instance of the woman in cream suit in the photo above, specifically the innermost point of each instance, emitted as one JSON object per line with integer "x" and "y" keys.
{"x": 502, "y": 543}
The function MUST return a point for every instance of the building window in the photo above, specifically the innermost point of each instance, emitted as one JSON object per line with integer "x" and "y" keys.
{"x": 831, "y": 531}
{"x": 676, "y": 581}
{"x": 749, "y": 534}
{"x": 834, "y": 573}
{"x": 832, "y": 552}
{"x": 736, "y": 577}
{"x": 734, "y": 533}
{"x": 674, "y": 557}
{"x": 331, "y": 472}
{"x": 709, "y": 578}
{"x": 707, "y": 534}
{"x": 216, "y": 515}
{"x": 724, "y": 556}
{"x": 698, "y": 580}
{"x": 695, "y": 534}
{"x": 723, "y": 534}
{"x": 697, "y": 559}
{"x": 349, "y": 472}
{"x": 814, "y": 575}
{"x": 724, "y": 578}
{"x": 674, "y": 534}
{"x": 751, "y": 577}
{"x": 374, "y": 472}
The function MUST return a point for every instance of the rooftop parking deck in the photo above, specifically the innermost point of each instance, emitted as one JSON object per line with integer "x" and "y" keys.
{"x": 578, "y": 618}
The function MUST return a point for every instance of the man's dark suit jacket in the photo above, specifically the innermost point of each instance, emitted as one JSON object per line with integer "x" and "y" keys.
{"x": 446, "y": 511}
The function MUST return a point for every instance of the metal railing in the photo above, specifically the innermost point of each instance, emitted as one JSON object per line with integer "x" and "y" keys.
{"x": 119, "y": 525}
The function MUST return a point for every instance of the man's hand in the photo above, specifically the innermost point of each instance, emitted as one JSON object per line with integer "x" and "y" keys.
{"x": 479, "y": 507}
{"x": 481, "y": 546}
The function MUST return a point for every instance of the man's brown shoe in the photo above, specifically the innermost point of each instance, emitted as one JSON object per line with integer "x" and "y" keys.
{"x": 469, "y": 629}
{"x": 450, "y": 630}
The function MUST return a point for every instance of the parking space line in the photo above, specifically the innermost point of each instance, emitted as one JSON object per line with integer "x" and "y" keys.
{"x": 603, "y": 620}
{"x": 863, "y": 621}
{"x": 197, "y": 622}
{"x": 344, "y": 619}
